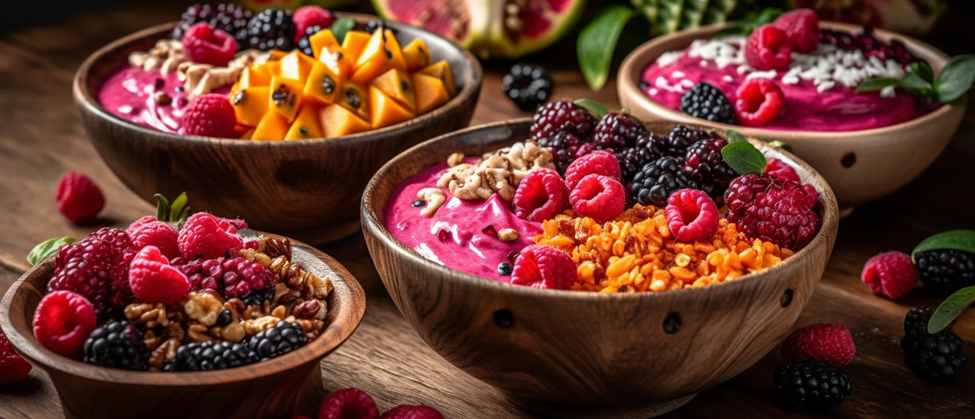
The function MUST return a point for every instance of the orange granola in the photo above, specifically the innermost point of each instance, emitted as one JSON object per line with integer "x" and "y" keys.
{"x": 637, "y": 253}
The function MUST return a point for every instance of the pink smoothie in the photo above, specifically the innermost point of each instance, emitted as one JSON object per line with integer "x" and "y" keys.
{"x": 461, "y": 224}
{"x": 128, "y": 94}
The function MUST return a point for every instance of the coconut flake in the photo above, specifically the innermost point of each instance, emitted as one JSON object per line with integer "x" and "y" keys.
{"x": 888, "y": 91}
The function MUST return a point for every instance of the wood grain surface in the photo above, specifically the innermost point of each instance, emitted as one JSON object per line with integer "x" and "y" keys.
{"x": 42, "y": 138}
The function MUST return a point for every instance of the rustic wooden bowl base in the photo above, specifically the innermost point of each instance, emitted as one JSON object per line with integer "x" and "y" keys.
{"x": 630, "y": 411}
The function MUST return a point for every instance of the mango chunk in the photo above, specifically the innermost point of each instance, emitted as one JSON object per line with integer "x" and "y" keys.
{"x": 322, "y": 85}
{"x": 273, "y": 127}
{"x": 320, "y": 40}
{"x": 354, "y": 97}
{"x": 338, "y": 121}
{"x": 354, "y": 42}
{"x": 384, "y": 110}
{"x": 441, "y": 70}
{"x": 273, "y": 68}
{"x": 373, "y": 61}
{"x": 394, "y": 51}
{"x": 306, "y": 125}
{"x": 296, "y": 65}
{"x": 285, "y": 97}
{"x": 340, "y": 62}
{"x": 250, "y": 104}
{"x": 253, "y": 76}
{"x": 417, "y": 55}
{"x": 397, "y": 85}
{"x": 430, "y": 92}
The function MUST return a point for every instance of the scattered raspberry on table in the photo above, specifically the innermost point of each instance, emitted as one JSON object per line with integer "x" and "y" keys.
{"x": 826, "y": 342}
{"x": 79, "y": 199}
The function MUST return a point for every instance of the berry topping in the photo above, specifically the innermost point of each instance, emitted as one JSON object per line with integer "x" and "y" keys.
{"x": 212, "y": 355}
{"x": 232, "y": 278}
{"x": 773, "y": 210}
{"x": 759, "y": 102}
{"x": 598, "y": 162}
{"x": 676, "y": 142}
{"x": 210, "y": 115}
{"x": 544, "y": 267}
{"x": 120, "y": 295}
{"x": 284, "y": 337}
{"x": 768, "y": 48}
{"x": 947, "y": 270}
{"x": 802, "y": 27}
{"x": 504, "y": 269}
{"x": 62, "y": 322}
{"x": 153, "y": 280}
{"x": 348, "y": 403}
{"x": 271, "y": 29}
{"x": 707, "y": 102}
{"x": 705, "y": 165}
{"x": 13, "y": 367}
{"x": 117, "y": 344}
{"x": 308, "y": 16}
{"x": 540, "y": 196}
{"x": 208, "y": 236}
{"x": 780, "y": 170}
{"x": 868, "y": 45}
{"x": 811, "y": 385}
{"x": 205, "y": 45}
{"x": 562, "y": 127}
{"x": 304, "y": 43}
{"x": 598, "y": 197}
{"x": 79, "y": 200}
{"x": 691, "y": 215}
{"x": 618, "y": 130}
{"x": 632, "y": 159}
{"x": 84, "y": 268}
{"x": 230, "y": 18}
{"x": 527, "y": 86}
{"x": 936, "y": 357}
{"x": 147, "y": 231}
{"x": 890, "y": 275}
{"x": 413, "y": 412}
{"x": 654, "y": 184}
{"x": 825, "y": 342}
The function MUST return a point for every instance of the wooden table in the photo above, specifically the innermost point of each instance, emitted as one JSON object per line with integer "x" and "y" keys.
{"x": 41, "y": 138}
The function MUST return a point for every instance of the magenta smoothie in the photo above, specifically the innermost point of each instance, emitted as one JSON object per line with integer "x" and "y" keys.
{"x": 131, "y": 94}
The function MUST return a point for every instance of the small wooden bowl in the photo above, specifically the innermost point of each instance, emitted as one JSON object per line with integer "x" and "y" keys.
{"x": 306, "y": 189}
{"x": 270, "y": 389}
{"x": 861, "y": 166}
{"x": 583, "y": 354}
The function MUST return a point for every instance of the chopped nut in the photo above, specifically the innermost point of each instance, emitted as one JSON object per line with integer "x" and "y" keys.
{"x": 508, "y": 234}
{"x": 498, "y": 172}
{"x": 317, "y": 288}
{"x": 165, "y": 56}
{"x": 163, "y": 354}
{"x": 148, "y": 315}
{"x": 203, "y": 307}
{"x": 274, "y": 247}
{"x": 255, "y": 326}
{"x": 233, "y": 332}
{"x": 307, "y": 310}
{"x": 434, "y": 198}
{"x": 197, "y": 333}
{"x": 255, "y": 256}
{"x": 455, "y": 159}
{"x": 151, "y": 340}
{"x": 200, "y": 79}
{"x": 175, "y": 331}
{"x": 162, "y": 98}
{"x": 280, "y": 312}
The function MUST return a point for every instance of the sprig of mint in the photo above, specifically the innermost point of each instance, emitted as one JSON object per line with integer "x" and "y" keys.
{"x": 598, "y": 109}
{"x": 47, "y": 248}
{"x": 750, "y": 22}
{"x": 954, "y": 305}
{"x": 951, "y": 83}
{"x": 175, "y": 212}
{"x": 597, "y": 41}
{"x": 342, "y": 26}
{"x": 741, "y": 155}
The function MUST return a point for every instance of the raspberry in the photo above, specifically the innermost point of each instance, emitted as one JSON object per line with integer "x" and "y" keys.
{"x": 759, "y": 102}
{"x": 13, "y": 367}
{"x": 62, "y": 322}
{"x": 413, "y": 412}
{"x": 210, "y": 115}
{"x": 79, "y": 200}
{"x": 704, "y": 164}
{"x": 826, "y": 342}
{"x": 780, "y": 170}
{"x": 146, "y": 232}
{"x": 617, "y": 131}
{"x": 154, "y": 280}
{"x": 890, "y": 275}
{"x": 774, "y": 210}
{"x": 802, "y": 27}
{"x": 84, "y": 268}
{"x": 598, "y": 162}
{"x": 708, "y": 102}
{"x": 540, "y": 196}
{"x": 307, "y": 16}
{"x": 232, "y": 278}
{"x": 206, "y": 45}
{"x": 598, "y": 197}
{"x": 691, "y": 215}
{"x": 120, "y": 295}
{"x": 207, "y": 236}
{"x": 543, "y": 267}
{"x": 348, "y": 403}
{"x": 528, "y": 86}
{"x": 768, "y": 48}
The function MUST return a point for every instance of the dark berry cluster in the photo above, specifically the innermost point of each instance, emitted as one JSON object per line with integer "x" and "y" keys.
{"x": 806, "y": 384}
{"x": 230, "y": 18}
{"x": 946, "y": 270}
{"x": 684, "y": 158}
{"x": 707, "y": 102}
{"x": 868, "y": 44}
{"x": 935, "y": 357}
{"x": 528, "y": 86}
{"x": 271, "y": 29}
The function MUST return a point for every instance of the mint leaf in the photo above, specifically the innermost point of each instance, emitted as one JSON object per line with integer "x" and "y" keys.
{"x": 955, "y": 78}
{"x": 597, "y": 42}
{"x": 177, "y": 208}
{"x": 743, "y": 157}
{"x": 47, "y": 248}
{"x": 162, "y": 207}
{"x": 874, "y": 84}
{"x": 923, "y": 70}
{"x": 596, "y": 108}
{"x": 953, "y": 239}
{"x": 915, "y": 82}
{"x": 341, "y": 27}
{"x": 950, "y": 309}
{"x": 734, "y": 136}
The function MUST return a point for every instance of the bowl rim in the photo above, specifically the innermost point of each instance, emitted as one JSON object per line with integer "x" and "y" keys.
{"x": 347, "y": 320}
{"x": 633, "y": 65}
{"x": 829, "y": 222}
{"x": 84, "y": 97}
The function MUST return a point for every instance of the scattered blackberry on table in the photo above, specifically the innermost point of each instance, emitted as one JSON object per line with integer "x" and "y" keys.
{"x": 117, "y": 344}
{"x": 811, "y": 385}
{"x": 304, "y": 44}
{"x": 618, "y": 131}
{"x": 656, "y": 181}
{"x": 632, "y": 159}
{"x": 946, "y": 271}
{"x": 704, "y": 163}
{"x": 230, "y": 18}
{"x": 271, "y": 29}
{"x": 934, "y": 357}
{"x": 213, "y": 355}
{"x": 528, "y": 86}
{"x": 707, "y": 102}
{"x": 284, "y": 337}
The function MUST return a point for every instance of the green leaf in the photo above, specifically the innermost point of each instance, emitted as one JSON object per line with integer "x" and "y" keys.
{"x": 744, "y": 157}
{"x": 955, "y": 78}
{"x": 915, "y": 82}
{"x": 341, "y": 26}
{"x": 953, "y": 239}
{"x": 162, "y": 207}
{"x": 923, "y": 70}
{"x": 950, "y": 309}
{"x": 596, "y": 108}
{"x": 47, "y": 248}
{"x": 177, "y": 208}
{"x": 597, "y": 42}
{"x": 181, "y": 219}
{"x": 874, "y": 84}
{"x": 735, "y": 136}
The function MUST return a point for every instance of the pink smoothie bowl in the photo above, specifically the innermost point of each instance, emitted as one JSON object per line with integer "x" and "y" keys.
{"x": 860, "y": 166}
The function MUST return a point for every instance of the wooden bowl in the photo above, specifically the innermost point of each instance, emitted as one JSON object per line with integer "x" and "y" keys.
{"x": 582, "y": 354}
{"x": 306, "y": 189}
{"x": 270, "y": 389}
{"x": 861, "y": 166}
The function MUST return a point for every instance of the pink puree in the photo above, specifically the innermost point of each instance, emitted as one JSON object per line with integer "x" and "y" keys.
{"x": 837, "y": 109}
{"x": 467, "y": 247}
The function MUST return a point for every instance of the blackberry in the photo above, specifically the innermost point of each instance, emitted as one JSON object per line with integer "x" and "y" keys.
{"x": 707, "y": 102}
{"x": 807, "y": 384}
{"x": 117, "y": 344}
{"x": 304, "y": 44}
{"x": 634, "y": 158}
{"x": 704, "y": 163}
{"x": 528, "y": 86}
{"x": 229, "y": 18}
{"x": 946, "y": 271}
{"x": 373, "y": 25}
{"x": 284, "y": 337}
{"x": 563, "y": 115}
{"x": 934, "y": 357}
{"x": 618, "y": 131}
{"x": 212, "y": 355}
{"x": 271, "y": 29}
{"x": 656, "y": 181}
{"x": 257, "y": 298}
{"x": 676, "y": 142}
{"x": 564, "y": 147}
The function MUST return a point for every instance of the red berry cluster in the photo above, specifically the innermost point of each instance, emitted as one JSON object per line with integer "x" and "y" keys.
{"x": 773, "y": 207}
{"x": 354, "y": 403}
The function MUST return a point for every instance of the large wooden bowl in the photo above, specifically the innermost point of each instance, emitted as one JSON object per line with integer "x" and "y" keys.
{"x": 580, "y": 354}
{"x": 270, "y": 389}
{"x": 309, "y": 190}
{"x": 861, "y": 166}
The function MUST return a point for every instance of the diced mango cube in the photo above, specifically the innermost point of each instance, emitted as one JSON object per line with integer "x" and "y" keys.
{"x": 417, "y": 55}
{"x": 441, "y": 70}
{"x": 397, "y": 85}
{"x": 430, "y": 92}
{"x": 276, "y": 55}
{"x": 385, "y": 111}
{"x": 394, "y": 51}
{"x": 254, "y": 76}
{"x": 273, "y": 68}
{"x": 273, "y": 127}
{"x": 338, "y": 61}
{"x": 320, "y": 40}
{"x": 285, "y": 96}
{"x": 354, "y": 42}
{"x": 354, "y": 97}
{"x": 338, "y": 121}
{"x": 250, "y": 104}
{"x": 296, "y": 65}
{"x": 322, "y": 85}
{"x": 306, "y": 125}
{"x": 373, "y": 61}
